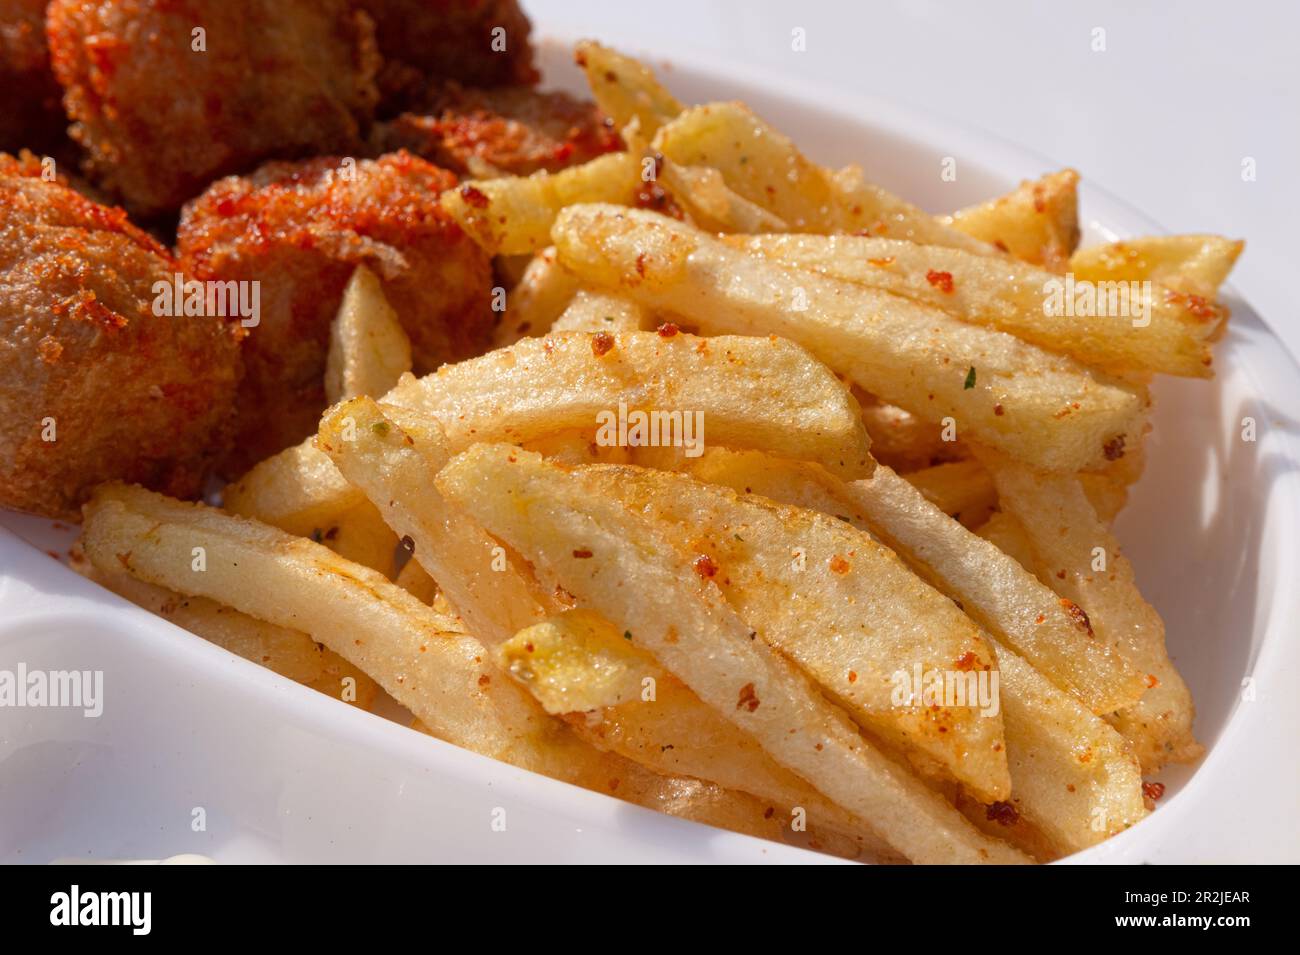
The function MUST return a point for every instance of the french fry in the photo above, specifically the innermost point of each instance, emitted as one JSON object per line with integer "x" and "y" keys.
{"x": 838, "y": 605}
{"x": 368, "y": 350}
{"x": 766, "y": 168}
{"x": 1005, "y": 533}
{"x": 903, "y": 440}
{"x": 1188, "y": 264}
{"x": 591, "y": 311}
{"x": 290, "y": 653}
{"x": 1040, "y": 407}
{"x": 545, "y": 514}
{"x": 1071, "y": 774}
{"x": 297, "y": 490}
{"x": 541, "y": 297}
{"x": 541, "y": 386}
{"x": 1155, "y": 333}
{"x": 625, "y": 89}
{"x": 392, "y": 459}
{"x": 513, "y": 214}
{"x": 360, "y": 535}
{"x": 1068, "y": 541}
{"x": 1001, "y": 596}
{"x": 411, "y": 651}
{"x": 1038, "y": 222}
{"x": 578, "y": 665}
{"x": 961, "y": 489}
{"x": 579, "y": 446}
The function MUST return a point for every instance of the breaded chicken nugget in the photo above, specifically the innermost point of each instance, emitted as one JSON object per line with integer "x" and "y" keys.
{"x": 31, "y": 111}
{"x": 508, "y": 129}
{"x": 95, "y": 385}
{"x": 166, "y": 96}
{"x": 299, "y": 229}
{"x": 475, "y": 42}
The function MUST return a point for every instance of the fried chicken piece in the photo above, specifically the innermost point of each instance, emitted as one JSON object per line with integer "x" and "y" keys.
{"x": 509, "y": 129}
{"x": 299, "y": 229}
{"x": 31, "y": 108}
{"x": 94, "y": 384}
{"x": 426, "y": 41}
{"x": 167, "y": 96}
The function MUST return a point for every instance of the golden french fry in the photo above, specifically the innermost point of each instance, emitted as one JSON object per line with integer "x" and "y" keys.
{"x": 617, "y": 696}
{"x": 513, "y": 214}
{"x": 1038, "y": 222}
{"x": 903, "y": 440}
{"x": 841, "y": 607}
{"x": 579, "y": 446}
{"x": 1136, "y": 330}
{"x": 290, "y": 653}
{"x": 297, "y": 490}
{"x": 534, "y": 304}
{"x": 441, "y": 676}
{"x": 1005, "y": 533}
{"x": 625, "y": 89}
{"x": 1041, "y": 407}
{"x": 961, "y": 489}
{"x": 392, "y": 460}
{"x": 549, "y": 516}
{"x": 369, "y": 350}
{"x": 1193, "y": 265}
{"x": 766, "y": 168}
{"x": 747, "y": 391}
{"x": 591, "y": 311}
{"x": 1000, "y": 595}
{"x": 1068, "y": 540}
{"x": 1071, "y": 773}
{"x": 360, "y": 535}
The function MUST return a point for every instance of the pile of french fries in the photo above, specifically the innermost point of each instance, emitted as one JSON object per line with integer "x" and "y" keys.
{"x": 902, "y": 466}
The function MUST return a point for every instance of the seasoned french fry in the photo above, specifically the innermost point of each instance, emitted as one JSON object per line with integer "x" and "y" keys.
{"x": 590, "y": 311}
{"x": 554, "y": 521}
{"x": 1001, "y": 596}
{"x": 1038, "y": 222}
{"x": 961, "y": 489}
{"x": 297, "y": 490}
{"x": 356, "y": 612}
{"x": 1041, "y": 407}
{"x": 841, "y": 607}
{"x": 766, "y": 168}
{"x": 579, "y": 446}
{"x": 369, "y": 350}
{"x": 360, "y": 535}
{"x": 1148, "y": 331}
{"x": 1194, "y": 265}
{"x": 903, "y": 440}
{"x": 578, "y": 664}
{"x": 541, "y": 386}
{"x": 541, "y": 297}
{"x": 513, "y": 214}
{"x": 625, "y": 89}
{"x": 392, "y": 460}
{"x": 1067, "y": 541}
{"x": 1071, "y": 773}
{"x": 1005, "y": 533}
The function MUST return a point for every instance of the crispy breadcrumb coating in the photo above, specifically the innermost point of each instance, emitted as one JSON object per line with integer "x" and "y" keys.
{"x": 94, "y": 386}
{"x": 166, "y": 96}
{"x": 299, "y": 229}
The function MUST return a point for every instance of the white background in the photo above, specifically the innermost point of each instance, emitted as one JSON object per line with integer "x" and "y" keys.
{"x": 1162, "y": 118}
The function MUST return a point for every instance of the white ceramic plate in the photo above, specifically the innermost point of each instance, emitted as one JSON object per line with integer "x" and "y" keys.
{"x": 284, "y": 774}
